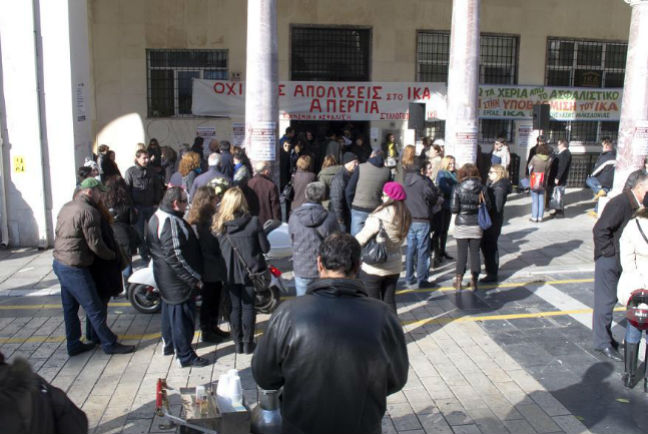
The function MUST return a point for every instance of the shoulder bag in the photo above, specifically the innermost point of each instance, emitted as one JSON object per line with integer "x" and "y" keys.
{"x": 261, "y": 280}
{"x": 483, "y": 217}
{"x": 374, "y": 251}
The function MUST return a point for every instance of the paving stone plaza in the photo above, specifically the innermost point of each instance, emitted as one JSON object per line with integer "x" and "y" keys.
{"x": 516, "y": 357}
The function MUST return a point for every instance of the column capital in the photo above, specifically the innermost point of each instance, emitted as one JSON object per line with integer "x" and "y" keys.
{"x": 636, "y": 2}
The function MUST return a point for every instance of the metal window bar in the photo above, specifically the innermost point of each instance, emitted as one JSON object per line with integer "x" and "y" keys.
{"x": 169, "y": 75}
{"x": 330, "y": 54}
{"x": 498, "y": 65}
{"x": 584, "y": 63}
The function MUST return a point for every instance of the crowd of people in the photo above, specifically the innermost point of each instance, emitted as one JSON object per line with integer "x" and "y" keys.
{"x": 201, "y": 222}
{"x": 349, "y": 209}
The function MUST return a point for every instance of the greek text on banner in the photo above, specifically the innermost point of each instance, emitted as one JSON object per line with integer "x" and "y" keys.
{"x": 368, "y": 101}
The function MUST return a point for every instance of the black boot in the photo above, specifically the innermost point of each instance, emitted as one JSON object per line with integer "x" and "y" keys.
{"x": 630, "y": 353}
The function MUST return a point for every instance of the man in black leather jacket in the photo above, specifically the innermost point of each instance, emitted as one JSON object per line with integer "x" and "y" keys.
{"x": 336, "y": 352}
{"x": 177, "y": 268}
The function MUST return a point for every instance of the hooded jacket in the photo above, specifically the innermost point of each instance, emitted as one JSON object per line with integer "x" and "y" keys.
{"x": 308, "y": 226}
{"x": 465, "y": 201}
{"x": 246, "y": 233}
{"x": 338, "y": 354}
{"x": 177, "y": 261}
{"x": 421, "y": 197}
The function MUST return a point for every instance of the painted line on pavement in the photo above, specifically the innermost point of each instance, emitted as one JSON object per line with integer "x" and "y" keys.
{"x": 417, "y": 323}
{"x": 537, "y": 282}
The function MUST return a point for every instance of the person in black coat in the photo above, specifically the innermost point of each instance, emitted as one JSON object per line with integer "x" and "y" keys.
{"x": 558, "y": 175}
{"x": 243, "y": 243}
{"x": 124, "y": 218}
{"x": 338, "y": 204}
{"x": 226, "y": 160}
{"x": 602, "y": 177}
{"x": 498, "y": 188}
{"x": 336, "y": 352}
{"x": 607, "y": 265}
{"x": 106, "y": 273}
{"x": 203, "y": 208}
{"x": 177, "y": 269}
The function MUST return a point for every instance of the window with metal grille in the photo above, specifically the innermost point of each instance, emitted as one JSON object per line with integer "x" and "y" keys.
{"x": 498, "y": 64}
{"x": 581, "y": 63}
{"x": 330, "y": 53}
{"x": 170, "y": 74}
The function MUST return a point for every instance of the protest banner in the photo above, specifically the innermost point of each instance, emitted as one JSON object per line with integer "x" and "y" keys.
{"x": 373, "y": 101}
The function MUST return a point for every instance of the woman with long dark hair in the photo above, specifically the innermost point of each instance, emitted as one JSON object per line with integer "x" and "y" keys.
{"x": 466, "y": 199}
{"x": 243, "y": 243}
{"x": 392, "y": 215}
{"x": 124, "y": 216}
{"x": 203, "y": 208}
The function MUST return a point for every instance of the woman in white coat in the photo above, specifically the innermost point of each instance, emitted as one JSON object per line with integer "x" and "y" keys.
{"x": 634, "y": 261}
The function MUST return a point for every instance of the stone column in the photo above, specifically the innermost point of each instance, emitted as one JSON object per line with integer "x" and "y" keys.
{"x": 633, "y": 131}
{"x": 462, "y": 123}
{"x": 261, "y": 83}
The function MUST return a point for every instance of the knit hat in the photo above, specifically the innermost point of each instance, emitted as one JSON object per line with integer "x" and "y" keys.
{"x": 349, "y": 157}
{"x": 93, "y": 183}
{"x": 395, "y": 191}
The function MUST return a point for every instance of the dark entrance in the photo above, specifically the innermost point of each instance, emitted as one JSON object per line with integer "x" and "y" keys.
{"x": 331, "y": 53}
{"x": 321, "y": 129}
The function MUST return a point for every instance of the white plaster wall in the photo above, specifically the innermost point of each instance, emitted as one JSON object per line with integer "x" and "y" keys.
{"x": 122, "y": 30}
{"x": 26, "y": 197}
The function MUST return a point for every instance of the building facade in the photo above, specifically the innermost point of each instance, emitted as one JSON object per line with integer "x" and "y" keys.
{"x": 130, "y": 66}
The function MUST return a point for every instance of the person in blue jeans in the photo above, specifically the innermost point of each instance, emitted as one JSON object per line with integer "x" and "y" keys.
{"x": 77, "y": 243}
{"x": 539, "y": 174}
{"x": 309, "y": 225}
{"x": 421, "y": 198}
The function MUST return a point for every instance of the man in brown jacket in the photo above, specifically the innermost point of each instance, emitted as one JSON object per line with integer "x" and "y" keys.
{"x": 266, "y": 206}
{"x": 78, "y": 240}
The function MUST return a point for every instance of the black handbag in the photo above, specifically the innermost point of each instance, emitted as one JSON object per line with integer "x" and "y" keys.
{"x": 260, "y": 280}
{"x": 288, "y": 193}
{"x": 374, "y": 251}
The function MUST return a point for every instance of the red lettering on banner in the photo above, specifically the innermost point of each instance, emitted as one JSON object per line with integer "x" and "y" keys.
{"x": 320, "y": 91}
{"x": 340, "y": 90}
{"x": 310, "y": 91}
{"x": 230, "y": 88}
{"x": 315, "y": 106}
{"x": 361, "y": 92}
{"x": 299, "y": 90}
{"x": 281, "y": 90}
{"x": 374, "y": 107}
{"x": 376, "y": 92}
{"x": 219, "y": 87}
{"x": 426, "y": 93}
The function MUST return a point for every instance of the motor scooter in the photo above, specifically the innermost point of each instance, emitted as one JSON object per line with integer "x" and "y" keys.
{"x": 144, "y": 295}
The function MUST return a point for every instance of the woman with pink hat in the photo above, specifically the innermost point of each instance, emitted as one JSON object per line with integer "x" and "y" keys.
{"x": 389, "y": 223}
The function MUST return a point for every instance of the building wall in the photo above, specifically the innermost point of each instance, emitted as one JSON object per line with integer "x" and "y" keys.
{"x": 121, "y": 31}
